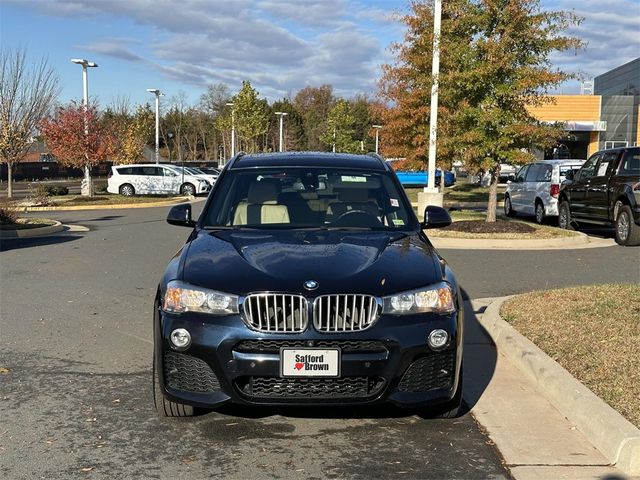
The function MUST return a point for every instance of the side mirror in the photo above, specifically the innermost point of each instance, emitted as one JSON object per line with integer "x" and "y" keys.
{"x": 569, "y": 175}
{"x": 511, "y": 178}
{"x": 436, "y": 217}
{"x": 180, "y": 215}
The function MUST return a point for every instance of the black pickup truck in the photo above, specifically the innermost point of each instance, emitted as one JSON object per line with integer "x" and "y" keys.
{"x": 605, "y": 191}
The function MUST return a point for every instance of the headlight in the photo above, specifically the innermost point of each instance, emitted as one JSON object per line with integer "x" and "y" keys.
{"x": 181, "y": 297}
{"x": 435, "y": 298}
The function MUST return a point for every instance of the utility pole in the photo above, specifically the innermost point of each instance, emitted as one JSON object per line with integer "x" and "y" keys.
{"x": 281, "y": 115}
{"x": 86, "y": 182}
{"x": 377, "y": 127}
{"x": 158, "y": 94}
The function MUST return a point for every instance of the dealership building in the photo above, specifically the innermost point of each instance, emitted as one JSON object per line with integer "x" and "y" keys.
{"x": 606, "y": 115}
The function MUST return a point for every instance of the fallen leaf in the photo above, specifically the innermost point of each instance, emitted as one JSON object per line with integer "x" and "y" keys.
{"x": 87, "y": 469}
{"x": 4, "y": 370}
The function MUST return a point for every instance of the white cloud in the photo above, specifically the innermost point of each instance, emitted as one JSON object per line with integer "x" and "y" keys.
{"x": 284, "y": 45}
{"x": 611, "y": 32}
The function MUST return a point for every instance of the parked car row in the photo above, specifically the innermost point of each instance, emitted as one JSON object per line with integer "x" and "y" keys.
{"x": 152, "y": 179}
{"x": 603, "y": 190}
{"x": 536, "y": 188}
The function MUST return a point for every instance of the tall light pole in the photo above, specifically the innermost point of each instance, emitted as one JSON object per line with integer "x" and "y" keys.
{"x": 334, "y": 139}
{"x": 435, "y": 72}
{"x": 281, "y": 115}
{"x": 86, "y": 187}
{"x": 158, "y": 94}
{"x": 233, "y": 129}
{"x": 377, "y": 127}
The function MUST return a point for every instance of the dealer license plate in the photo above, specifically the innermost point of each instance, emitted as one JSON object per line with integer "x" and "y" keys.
{"x": 309, "y": 362}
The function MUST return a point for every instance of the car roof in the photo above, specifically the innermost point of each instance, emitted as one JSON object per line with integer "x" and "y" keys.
{"x": 143, "y": 165}
{"x": 309, "y": 159}
{"x": 562, "y": 161}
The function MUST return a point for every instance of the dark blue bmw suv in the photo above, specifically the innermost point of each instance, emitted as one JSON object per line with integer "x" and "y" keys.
{"x": 307, "y": 280}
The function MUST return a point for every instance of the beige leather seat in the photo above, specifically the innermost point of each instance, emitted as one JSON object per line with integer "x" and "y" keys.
{"x": 261, "y": 206}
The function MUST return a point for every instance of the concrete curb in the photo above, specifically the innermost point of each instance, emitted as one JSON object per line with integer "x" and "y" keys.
{"x": 32, "y": 232}
{"x": 616, "y": 438}
{"x": 107, "y": 207}
{"x": 581, "y": 240}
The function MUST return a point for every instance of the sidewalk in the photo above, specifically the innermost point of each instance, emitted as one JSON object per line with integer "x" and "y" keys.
{"x": 536, "y": 441}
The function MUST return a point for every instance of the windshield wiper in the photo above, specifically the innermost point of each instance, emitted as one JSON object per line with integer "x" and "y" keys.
{"x": 214, "y": 228}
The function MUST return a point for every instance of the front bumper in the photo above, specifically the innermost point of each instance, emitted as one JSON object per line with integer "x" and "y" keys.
{"x": 551, "y": 207}
{"x": 228, "y": 362}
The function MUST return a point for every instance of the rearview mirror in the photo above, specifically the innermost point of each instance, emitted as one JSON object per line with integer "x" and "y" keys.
{"x": 436, "y": 217}
{"x": 180, "y": 215}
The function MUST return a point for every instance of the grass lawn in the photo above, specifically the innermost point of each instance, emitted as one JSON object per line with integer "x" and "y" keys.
{"x": 539, "y": 231}
{"x": 107, "y": 199}
{"x": 460, "y": 192}
{"x": 593, "y": 332}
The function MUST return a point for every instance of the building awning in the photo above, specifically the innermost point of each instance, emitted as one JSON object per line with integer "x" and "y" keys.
{"x": 582, "y": 125}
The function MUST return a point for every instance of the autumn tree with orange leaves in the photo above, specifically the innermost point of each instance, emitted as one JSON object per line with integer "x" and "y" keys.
{"x": 67, "y": 140}
{"x": 494, "y": 64}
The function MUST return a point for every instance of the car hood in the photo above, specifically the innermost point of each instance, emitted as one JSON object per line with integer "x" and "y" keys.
{"x": 377, "y": 263}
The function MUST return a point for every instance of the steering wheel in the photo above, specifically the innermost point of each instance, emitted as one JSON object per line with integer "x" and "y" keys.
{"x": 357, "y": 218}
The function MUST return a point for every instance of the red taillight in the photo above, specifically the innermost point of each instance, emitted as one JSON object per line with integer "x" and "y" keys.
{"x": 555, "y": 190}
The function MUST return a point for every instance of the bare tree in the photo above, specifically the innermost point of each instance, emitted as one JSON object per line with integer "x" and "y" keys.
{"x": 27, "y": 93}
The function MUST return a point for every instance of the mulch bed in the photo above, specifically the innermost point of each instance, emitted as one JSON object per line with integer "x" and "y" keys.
{"x": 480, "y": 226}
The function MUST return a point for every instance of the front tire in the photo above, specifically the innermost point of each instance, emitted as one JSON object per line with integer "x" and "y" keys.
{"x": 564, "y": 216}
{"x": 508, "y": 208}
{"x": 127, "y": 190}
{"x": 188, "y": 189}
{"x": 164, "y": 407}
{"x": 451, "y": 409}
{"x": 627, "y": 232}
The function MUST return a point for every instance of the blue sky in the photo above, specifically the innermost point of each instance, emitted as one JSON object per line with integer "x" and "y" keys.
{"x": 281, "y": 46}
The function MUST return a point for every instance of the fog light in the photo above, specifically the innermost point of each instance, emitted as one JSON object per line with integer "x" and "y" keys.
{"x": 180, "y": 338}
{"x": 438, "y": 339}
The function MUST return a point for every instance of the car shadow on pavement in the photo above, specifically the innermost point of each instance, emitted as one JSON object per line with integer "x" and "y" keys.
{"x": 7, "y": 244}
{"x": 480, "y": 356}
{"x": 103, "y": 219}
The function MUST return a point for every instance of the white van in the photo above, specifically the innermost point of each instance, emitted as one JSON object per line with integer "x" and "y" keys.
{"x": 152, "y": 179}
{"x": 536, "y": 188}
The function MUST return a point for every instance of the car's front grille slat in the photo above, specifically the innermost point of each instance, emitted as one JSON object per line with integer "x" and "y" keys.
{"x": 309, "y": 388}
{"x": 344, "y": 312}
{"x": 275, "y": 313}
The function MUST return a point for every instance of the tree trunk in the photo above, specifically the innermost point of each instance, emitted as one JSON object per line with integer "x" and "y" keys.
{"x": 9, "y": 179}
{"x": 493, "y": 195}
{"x": 86, "y": 187}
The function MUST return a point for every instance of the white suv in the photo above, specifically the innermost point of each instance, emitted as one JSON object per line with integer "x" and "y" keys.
{"x": 152, "y": 179}
{"x": 536, "y": 188}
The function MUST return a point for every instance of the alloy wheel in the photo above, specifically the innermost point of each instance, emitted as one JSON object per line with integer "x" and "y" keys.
{"x": 623, "y": 226}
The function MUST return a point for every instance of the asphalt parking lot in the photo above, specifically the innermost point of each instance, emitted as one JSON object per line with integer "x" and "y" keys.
{"x": 75, "y": 353}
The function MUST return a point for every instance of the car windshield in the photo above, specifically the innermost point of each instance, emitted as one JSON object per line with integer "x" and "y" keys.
{"x": 565, "y": 168}
{"x": 294, "y": 198}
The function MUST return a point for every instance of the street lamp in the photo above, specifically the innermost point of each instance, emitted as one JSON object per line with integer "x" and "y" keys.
{"x": 281, "y": 115}
{"x": 377, "y": 127}
{"x": 158, "y": 94}
{"x": 233, "y": 129}
{"x": 85, "y": 100}
{"x": 435, "y": 73}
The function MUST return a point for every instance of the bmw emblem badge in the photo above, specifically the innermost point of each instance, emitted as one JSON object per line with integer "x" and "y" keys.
{"x": 310, "y": 284}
